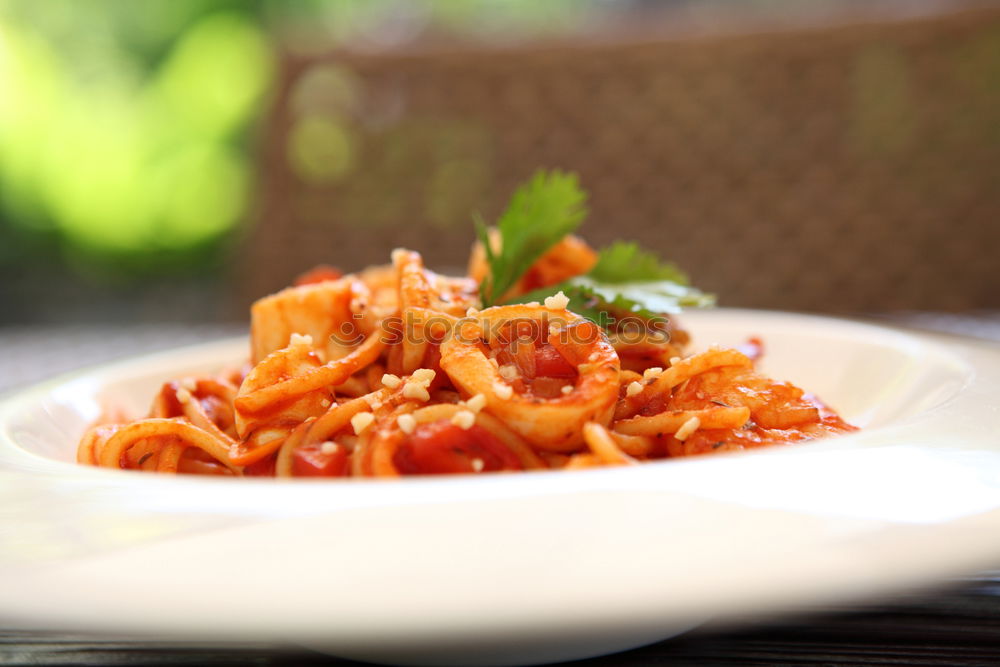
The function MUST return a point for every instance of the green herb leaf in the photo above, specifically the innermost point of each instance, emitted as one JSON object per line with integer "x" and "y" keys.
{"x": 646, "y": 298}
{"x": 627, "y": 281}
{"x": 541, "y": 212}
{"x": 625, "y": 261}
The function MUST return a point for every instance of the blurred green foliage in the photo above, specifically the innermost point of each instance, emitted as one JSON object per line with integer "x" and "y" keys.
{"x": 125, "y": 125}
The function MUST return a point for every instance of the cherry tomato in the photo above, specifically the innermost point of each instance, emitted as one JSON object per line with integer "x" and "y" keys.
{"x": 442, "y": 447}
{"x": 311, "y": 461}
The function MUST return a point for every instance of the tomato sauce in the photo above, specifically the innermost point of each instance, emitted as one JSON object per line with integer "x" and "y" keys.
{"x": 443, "y": 448}
{"x": 311, "y": 460}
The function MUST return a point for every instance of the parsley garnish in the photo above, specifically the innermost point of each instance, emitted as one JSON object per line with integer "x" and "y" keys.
{"x": 624, "y": 261}
{"x": 541, "y": 212}
{"x": 627, "y": 281}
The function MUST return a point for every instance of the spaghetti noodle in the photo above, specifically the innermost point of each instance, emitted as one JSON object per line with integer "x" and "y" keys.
{"x": 395, "y": 371}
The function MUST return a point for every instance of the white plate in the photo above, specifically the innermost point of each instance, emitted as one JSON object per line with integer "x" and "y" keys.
{"x": 515, "y": 568}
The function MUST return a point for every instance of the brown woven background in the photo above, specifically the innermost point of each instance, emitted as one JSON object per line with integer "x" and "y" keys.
{"x": 853, "y": 167}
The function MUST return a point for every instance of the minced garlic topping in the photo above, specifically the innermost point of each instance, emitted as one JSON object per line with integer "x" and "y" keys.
{"x": 687, "y": 428}
{"x": 464, "y": 419}
{"x": 361, "y": 421}
{"x": 557, "y": 301}
{"x": 406, "y": 423}
{"x": 476, "y": 403}
{"x": 423, "y": 375}
{"x": 416, "y": 391}
{"x": 503, "y": 391}
{"x": 299, "y": 339}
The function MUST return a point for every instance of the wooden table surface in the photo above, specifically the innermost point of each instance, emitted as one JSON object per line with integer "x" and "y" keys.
{"x": 957, "y": 624}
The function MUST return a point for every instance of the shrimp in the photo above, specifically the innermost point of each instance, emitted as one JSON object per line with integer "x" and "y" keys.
{"x": 332, "y": 313}
{"x": 772, "y": 404}
{"x": 567, "y": 348}
{"x": 423, "y": 296}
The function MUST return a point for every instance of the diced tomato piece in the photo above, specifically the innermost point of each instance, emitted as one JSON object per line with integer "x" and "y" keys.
{"x": 573, "y": 343}
{"x": 549, "y": 363}
{"x": 318, "y": 274}
{"x": 311, "y": 461}
{"x": 548, "y": 387}
{"x": 443, "y": 448}
{"x": 523, "y": 351}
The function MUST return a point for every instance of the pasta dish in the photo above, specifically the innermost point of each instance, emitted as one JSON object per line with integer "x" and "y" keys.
{"x": 548, "y": 354}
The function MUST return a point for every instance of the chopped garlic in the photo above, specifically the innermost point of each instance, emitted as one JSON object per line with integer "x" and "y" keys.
{"x": 373, "y": 401}
{"x": 464, "y": 419}
{"x": 329, "y": 447}
{"x": 558, "y": 301}
{"x": 476, "y": 403}
{"x": 325, "y": 402}
{"x": 504, "y": 391}
{"x": 299, "y": 339}
{"x": 478, "y": 465}
{"x": 391, "y": 381}
{"x": 567, "y": 389}
{"x": 687, "y": 428}
{"x": 423, "y": 375}
{"x": 508, "y": 372}
{"x": 633, "y": 389}
{"x": 674, "y": 361}
{"x": 361, "y": 421}
{"x": 653, "y": 372}
{"x": 416, "y": 391}
{"x": 406, "y": 423}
